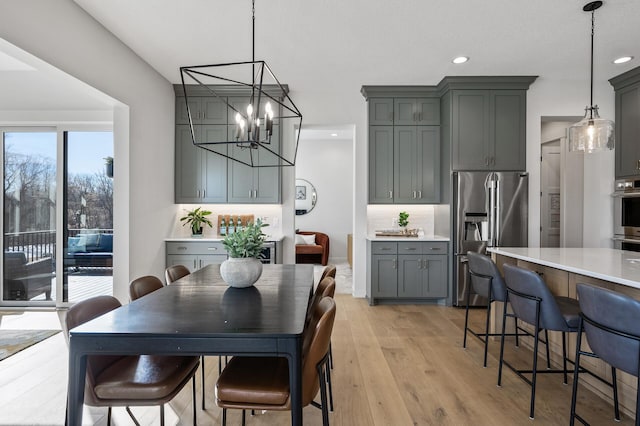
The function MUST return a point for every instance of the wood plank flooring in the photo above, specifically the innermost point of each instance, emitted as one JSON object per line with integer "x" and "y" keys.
{"x": 394, "y": 365}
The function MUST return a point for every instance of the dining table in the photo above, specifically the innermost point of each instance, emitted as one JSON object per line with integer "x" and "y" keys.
{"x": 200, "y": 314}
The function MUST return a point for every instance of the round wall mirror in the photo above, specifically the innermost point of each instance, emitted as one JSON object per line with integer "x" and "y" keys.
{"x": 305, "y": 196}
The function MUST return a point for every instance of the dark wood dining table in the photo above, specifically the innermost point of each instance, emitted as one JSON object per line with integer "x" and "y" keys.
{"x": 201, "y": 315}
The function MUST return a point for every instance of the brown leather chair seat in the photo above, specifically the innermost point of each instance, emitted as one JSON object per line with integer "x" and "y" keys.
{"x": 267, "y": 390}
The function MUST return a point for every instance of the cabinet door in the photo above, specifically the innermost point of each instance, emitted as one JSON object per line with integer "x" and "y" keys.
{"x": 381, "y": 164}
{"x": 405, "y": 112}
{"x": 428, "y": 171}
{"x": 267, "y": 180}
{"x": 181, "y": 109}
{"x": 240, "y": 176}
{"x": 214, "y": 166}
{"x": 407, "y": 162}
{"x": 213, "y": 110}
{"x": 428, "y": 110}
{"x": 384, "y": 276}
{"x": 470, "y": 130}
{"x": 435, "y": 271}
{"x": 507, "y": 132}
{"x": 380, "y": 111}
{"x": 627, "y": 150}
{"x": 213, "y": 259}
{"x": 188, "y": 170}
{"x": 190, "y": 261}
{"x": 410, "y": 275}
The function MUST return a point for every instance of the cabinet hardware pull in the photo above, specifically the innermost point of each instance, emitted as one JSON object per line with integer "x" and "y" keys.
{"x": 204, "y": 192}
{"x": 419, "y": 194}
{"x": 419, "y": 263}
{"x": 434, "y": 248}
{"x": 255, "y": 193}
{"x": 390, "y": 194}
{"x": 395, "y": 264}
{"x": 486, "y": 161}
{"x": 426, "y": 264}
{"x": 414, "y": 195}
{"x": 638, "y": 165}
{"x": 182, "y": 248}
{"x": 197, "y": 193}
{"x": 410, "y": 248}
{"x": 250, "y": 193}
{"x": 194, "y": 264}
{"x": 385, "y": 248}
{"x": 212, "y": 248}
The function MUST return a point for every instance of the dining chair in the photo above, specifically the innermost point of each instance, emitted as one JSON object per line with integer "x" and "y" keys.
{"x": 143, "y": 286}
{"x": 328, "y": 271}
{"x": 611, "y": 323}
{"x": 148, "y": 284}
{"x": 532, "y": 302}
{"x": 262, "y": 383}
{"x": 139, "y": 380}
{"x": 175, "y": 272}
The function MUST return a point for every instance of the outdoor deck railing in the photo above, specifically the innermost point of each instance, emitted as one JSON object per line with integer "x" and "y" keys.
{"x": 40, "y": 244}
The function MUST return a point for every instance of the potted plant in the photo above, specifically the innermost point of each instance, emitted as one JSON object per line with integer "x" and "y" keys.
{"x": 403, "y": 220}
{"x": 244, "y": 247}
{"x": 197, "y": 218}
{"x": 108, "y": 162}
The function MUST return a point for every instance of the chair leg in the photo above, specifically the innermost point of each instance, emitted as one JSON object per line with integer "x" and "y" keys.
{"x": 193, "y": 396}
{"x": 535, "y": 371}
{"x": 161, "y": 414}
{"x": 546, "y": 338}
{"x": 203, "y": 386}
{"x": 224, "y": 417}
{"x": 135, "y": 421}
{"x": 486, "y": 329}
{"x": 576, "y": 371}
{"x": 323, "y": 394}
{"x": 504, "y": 324}
{"x": 330, "y": 356}
{"x": 515, "y": 323}
{"x": 616, "y": 407}
{"x": 466, "y": 318}
{"x": 109, "y": 417}
{"x": 328, "y": 370}
{"x": 564, "y": 357}
{"x": 244, "y": 417}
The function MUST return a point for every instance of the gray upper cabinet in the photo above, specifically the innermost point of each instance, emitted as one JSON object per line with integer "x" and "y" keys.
{"x": 488, "y": 130}
{"x": 627, "y": 125}
{"x": 204, "y": 110}
{"x": 201, "y": 176}
{"x": 416, "y": 111}
{"x": 404, "y": 148}
{"x": 416, "y": 164}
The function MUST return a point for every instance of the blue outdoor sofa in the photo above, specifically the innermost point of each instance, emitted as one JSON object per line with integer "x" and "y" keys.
{"x": 90, "y": 250}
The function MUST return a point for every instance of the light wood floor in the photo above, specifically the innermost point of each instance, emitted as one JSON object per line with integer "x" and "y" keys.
{"x": 394, "y": 365}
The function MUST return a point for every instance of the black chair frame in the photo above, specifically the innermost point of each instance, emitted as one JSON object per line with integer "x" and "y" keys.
{"x": 534, "y": 371}
{"x": 322, "y": 368}
{"x": 613, "y": 384}
{"x": 484, "y": 337}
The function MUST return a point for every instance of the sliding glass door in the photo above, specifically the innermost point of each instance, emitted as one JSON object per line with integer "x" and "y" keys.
{"x": 34, "y": 161}
{"x": 29, "y": 220}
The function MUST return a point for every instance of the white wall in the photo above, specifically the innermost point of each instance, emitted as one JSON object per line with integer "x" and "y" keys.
{"x": 328, "y": 165}
{"x": 63, "y": 35}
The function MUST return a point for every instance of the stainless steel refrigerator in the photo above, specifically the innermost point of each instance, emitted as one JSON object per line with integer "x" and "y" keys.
{"x": 489, "y": 210}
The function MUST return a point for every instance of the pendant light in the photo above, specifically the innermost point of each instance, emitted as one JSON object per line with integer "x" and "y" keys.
{"x": 592, "y": 133}
{"x": 257, "y": 109}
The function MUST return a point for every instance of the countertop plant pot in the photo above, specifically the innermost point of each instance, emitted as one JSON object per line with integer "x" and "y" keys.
{"x": 241, "y": 272}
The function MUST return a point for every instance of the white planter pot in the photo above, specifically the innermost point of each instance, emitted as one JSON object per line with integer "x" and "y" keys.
{"x": 241, "y": 272}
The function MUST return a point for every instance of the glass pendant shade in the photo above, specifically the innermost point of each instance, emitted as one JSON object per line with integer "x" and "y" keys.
{"x": 592, "y": 133}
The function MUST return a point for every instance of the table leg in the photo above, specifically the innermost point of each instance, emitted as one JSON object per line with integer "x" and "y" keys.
{"x": 295, "y": 381}
{"x": 75, "y": 392}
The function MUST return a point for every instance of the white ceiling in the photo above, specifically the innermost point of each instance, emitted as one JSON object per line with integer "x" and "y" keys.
{"x": 342, "y": 45}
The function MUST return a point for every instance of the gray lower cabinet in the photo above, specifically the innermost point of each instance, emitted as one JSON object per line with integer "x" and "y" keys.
{"x": 200, "y": 176}
{"x": 408, "y": 270}
{"x": 627, "y": 124}
{"x": 195, "y": 255}
{"x": 488, "y": 129}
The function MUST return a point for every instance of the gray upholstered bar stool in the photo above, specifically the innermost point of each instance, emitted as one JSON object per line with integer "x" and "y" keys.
{"x": 486, "y": 281}
{"x": 611, "y": 322}
{"x": 533, "y": 303}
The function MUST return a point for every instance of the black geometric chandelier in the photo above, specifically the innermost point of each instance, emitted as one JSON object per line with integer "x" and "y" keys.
{"x": 255, "y": 127}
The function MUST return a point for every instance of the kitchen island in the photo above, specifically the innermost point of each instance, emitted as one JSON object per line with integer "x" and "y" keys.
{"x": 562, "y": 269}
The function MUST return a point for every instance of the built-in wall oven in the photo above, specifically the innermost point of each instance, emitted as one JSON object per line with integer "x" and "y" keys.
{"x": 268, "y": 252}
{"x": 627, "y": 215}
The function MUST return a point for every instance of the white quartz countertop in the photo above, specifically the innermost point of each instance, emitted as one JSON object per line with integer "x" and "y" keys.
{"x": 373, "y": 237}
{"x": 216, "y": 238}
{"x": 618, "y": 266}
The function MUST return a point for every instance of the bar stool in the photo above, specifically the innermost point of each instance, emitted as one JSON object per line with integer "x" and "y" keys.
{"x": 533, "y": 303}
{"x": 486, "y": 281}
{"x": 611, "y": 322}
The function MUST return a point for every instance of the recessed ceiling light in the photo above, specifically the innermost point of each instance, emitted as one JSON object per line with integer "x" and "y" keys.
{"x": 335, "y": 135}
{"x": 460, "y": 60}
{"x": 623, "y": 60}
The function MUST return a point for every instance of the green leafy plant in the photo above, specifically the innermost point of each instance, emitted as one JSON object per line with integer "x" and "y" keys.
{"x": 196, "y": 218}
{"x": 403, "y": 219}
{"x": 246, "y": 242}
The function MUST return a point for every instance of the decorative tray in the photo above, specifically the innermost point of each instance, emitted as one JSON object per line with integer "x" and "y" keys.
{"x": 408, "y": 233}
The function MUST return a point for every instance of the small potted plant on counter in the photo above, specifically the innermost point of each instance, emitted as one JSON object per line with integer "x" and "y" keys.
{"x": 197, "y": 218}
{"x": 403, "y": 221}
{"x": 244, "y": 247}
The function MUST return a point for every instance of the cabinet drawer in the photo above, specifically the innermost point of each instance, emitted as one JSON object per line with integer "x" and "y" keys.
{"x": 410, "y": 248}
{"x": 189, "y": 247}
{"x": 434, "y": 248}
{"x": 384, "y": 248}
